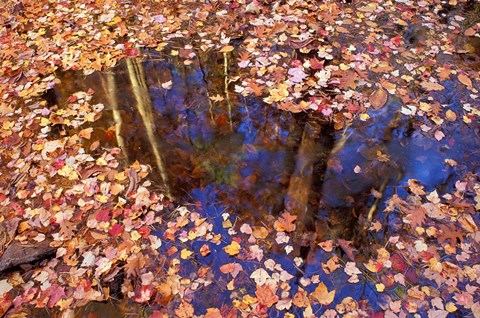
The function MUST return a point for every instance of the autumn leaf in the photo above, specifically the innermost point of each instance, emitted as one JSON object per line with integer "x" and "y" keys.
{"x": 431, "y": 86}
{"x": 184, "y": 310}
{"x": 347, "y": 248}
{"x": 322, "y": 295}
{"x": 285, "y": 223}
{"x": 266, "y": 296}
{"x": 231, "y": 268}
{"x": 465, "y": 80}
{"x": 300, "y": 299}
{"x": 379, "y": 98}
{"x": 277, "y": 93}
{"x": 232, "y": 249}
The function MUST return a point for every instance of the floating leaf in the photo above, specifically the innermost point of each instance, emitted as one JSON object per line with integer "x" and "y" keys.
{"x": 232, "y": 249}
{"x": 379, "y": 98}
{"x": 464, "y": 80}
{"x": 430, "y": 86}
{"x": 322, "y": 295}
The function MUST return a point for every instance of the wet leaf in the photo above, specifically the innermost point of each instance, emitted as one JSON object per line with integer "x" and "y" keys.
{"x": 379, "y": 98}
{"x": 322, "y": 295}
{"x": 285, "y": 223}
{"x": 266, "y": 296}
{"x": 232, "y": 249}
{"x": 431, "y": 86}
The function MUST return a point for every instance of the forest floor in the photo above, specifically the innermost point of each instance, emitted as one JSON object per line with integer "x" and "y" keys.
{"x": 80, "y": 224}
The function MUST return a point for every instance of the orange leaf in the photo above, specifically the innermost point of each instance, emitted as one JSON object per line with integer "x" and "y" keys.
{"x": 266, "y": 296}
{"x": 300, "y": 299}
{"x": 322, "y": 295}
{"x": 465, "y": 80}
{"x": 378, "y": 98}
{"x": 285, "y": 223}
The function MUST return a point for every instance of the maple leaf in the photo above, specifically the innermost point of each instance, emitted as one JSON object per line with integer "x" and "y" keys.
{"x": 300, "y": 299}
{"x": 430, "y": 86}
{"x": 322, "y": 295}
{"x": 260, "y": 276}
{"x": 266, "y": 296}
{"x": 285, "y": 222}
{"x": 232, "y": 249}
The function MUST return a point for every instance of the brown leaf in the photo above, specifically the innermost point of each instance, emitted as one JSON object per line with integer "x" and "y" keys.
{"x": 345, "y": 245}
{"x": 379, "y": 98}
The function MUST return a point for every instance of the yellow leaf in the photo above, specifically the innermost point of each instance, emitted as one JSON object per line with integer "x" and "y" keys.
{"x": 232, "y": 249}
{"x": 184, "y": 254}
{"x": 450, "y": 115}
{"x": 135, "y": 235}
{"x": 277, "y": 94}
{"x": 450, "y": 307}
{"x": 380, "y": 287}
{"x": 227, "y": 49}
{"x": 114, "y": 21}
{"x": 259, "y": 232}
{"x": 322, "y": 295}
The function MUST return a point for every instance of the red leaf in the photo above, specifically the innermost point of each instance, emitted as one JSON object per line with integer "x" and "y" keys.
{"x": 103, "y": 215}
{"x": 116, "y": 230}
{"x": 398, "y": 264}
{"x": 131, "y": 52}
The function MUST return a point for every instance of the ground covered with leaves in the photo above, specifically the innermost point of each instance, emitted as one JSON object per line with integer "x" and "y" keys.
{"x": 79, "y": 225}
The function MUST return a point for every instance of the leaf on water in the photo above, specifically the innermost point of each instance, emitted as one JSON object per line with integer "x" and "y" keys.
{"x": 285, "y": 223}
{"x": 322, "y": 295}
{"x": 430, "y": 86}
{"x": 266, "y": 296}
{"x": 465, "y": 80}
{"x": 232, "y": 249}
{"x": 260, "y": 276}
{"x": 300, "y": 299}
{"x": 347, "y": 248}
{"x": 379, "y": 98}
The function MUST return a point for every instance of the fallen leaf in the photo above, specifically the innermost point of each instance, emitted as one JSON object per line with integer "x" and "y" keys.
{"x": 379, "y": 98}
{"x": 232, "y": 249}
{"x": 465, "y": 80}
{"x": 430, "y": 86}
{"x": 322, "y": 295}
{"x": 285, "y": 223}
{"x": 266, "y": 296}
